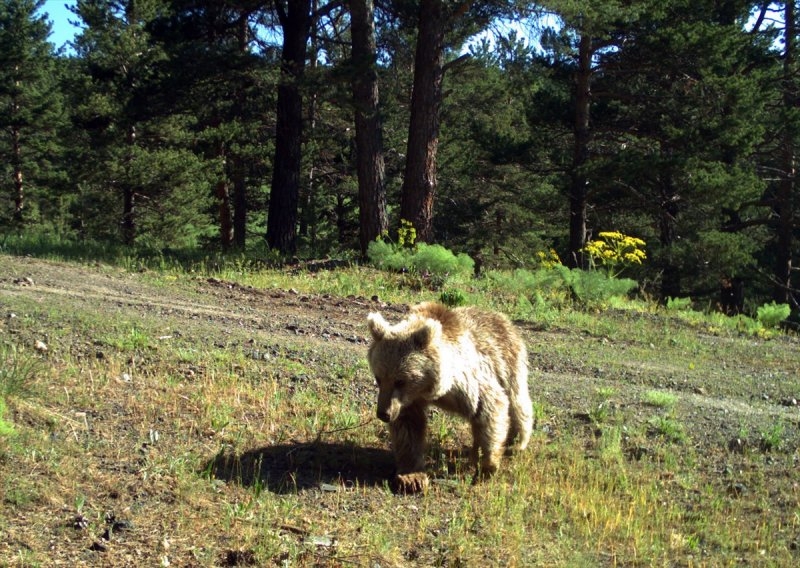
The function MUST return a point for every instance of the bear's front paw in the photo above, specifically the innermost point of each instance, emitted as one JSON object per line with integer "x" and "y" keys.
{"x": 411, "y": 482}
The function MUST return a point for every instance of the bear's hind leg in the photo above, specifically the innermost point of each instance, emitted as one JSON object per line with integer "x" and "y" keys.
{"x": 408, "y": 433}
{"x": 489, "y": 433}
{"x": 520, "y": 410}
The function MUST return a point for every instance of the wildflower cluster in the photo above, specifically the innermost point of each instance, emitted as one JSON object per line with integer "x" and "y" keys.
{"x": 406, "y": 234}
{"x": 548, "y": 259}
{"x": 615, "y": 251}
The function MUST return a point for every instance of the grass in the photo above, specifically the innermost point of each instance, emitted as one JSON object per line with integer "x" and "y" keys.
{"x": 262, "y": 439}
{"x": 660, "y": 399}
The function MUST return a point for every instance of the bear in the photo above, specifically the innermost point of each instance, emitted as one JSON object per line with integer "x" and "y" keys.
{"x": 467, "y": 361}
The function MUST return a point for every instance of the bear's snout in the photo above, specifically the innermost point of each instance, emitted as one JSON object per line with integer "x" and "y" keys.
{"x": 383, "y": 416}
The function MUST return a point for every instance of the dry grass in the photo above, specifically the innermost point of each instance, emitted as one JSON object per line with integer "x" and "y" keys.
{"x": 150, "y": 438}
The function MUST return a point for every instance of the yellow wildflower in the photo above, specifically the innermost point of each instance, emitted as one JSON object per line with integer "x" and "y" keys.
{"x": 614, "y": 251}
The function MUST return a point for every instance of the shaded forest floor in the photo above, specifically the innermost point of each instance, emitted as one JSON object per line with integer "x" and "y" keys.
{"x": 182, "y": 420}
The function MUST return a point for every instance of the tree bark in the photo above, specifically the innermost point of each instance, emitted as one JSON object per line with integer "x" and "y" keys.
{"x": 129, "y": 196}
{"x": 224, "y": 203}
{"x": 239, "y": 199}
{"x": 239, "y": 173}
{"x": 308, "y": 198}
{"x": 295, "y": 19}
{"x": 19, "y": 188}
{"x": 419, "y": 184}
{"x": 578, "y": 196}
{"x": 369, "y": 131}
{"x": 783, "y": 199}
{"x": 668, "y": 218}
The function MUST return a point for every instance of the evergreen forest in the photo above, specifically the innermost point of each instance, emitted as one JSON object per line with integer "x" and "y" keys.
{"x": 510, "y": 131}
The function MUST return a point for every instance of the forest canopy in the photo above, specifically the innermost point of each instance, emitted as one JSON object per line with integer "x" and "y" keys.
{"x": 516, "y": 133}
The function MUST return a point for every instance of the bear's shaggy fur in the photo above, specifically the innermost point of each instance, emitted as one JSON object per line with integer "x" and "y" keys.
{"x": 464, "y": 360}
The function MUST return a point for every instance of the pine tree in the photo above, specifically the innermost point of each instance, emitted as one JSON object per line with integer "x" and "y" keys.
{"x": 215, "y": 73}
{"x": 139, "y": 180}
{"x": 29, "y": 125}
{"x": 295, "y": 18}
{"x": 369, "y": 131}
{"x": 684, "y": 112}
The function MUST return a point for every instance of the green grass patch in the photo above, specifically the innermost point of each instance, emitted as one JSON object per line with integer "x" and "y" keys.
{"x": 660, "y": 399}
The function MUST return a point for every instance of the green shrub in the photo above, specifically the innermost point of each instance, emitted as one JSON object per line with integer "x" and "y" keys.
{"x": 770, "y": 315}
{"x": 560, "y": 286}
{"x": 431, "y": 265}
{"x": 452, "y": 298}
{"x": 387, "y": 256}
{"x": 436, "y": 259}
{"x": 679, "y": 304}
{"x": 593, "y": 288}
{"x": 543, "y": 285}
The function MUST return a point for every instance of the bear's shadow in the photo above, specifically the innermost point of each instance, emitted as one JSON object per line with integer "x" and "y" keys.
{"x": 289, "y": 468}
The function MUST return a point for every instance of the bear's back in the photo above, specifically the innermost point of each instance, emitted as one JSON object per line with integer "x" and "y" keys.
{"x": 492, "y": 333}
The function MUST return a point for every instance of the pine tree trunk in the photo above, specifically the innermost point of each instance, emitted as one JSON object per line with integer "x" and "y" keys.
{"x": 783, "y": 199}
{"x": 224, "y": 204}
{"x": 239, "y": 173}
{"x": 668, "y": 216}
{"x": 19, "y": 189}
{"x": 239, "y": 199}
{"x": 308, "y": 203}
{"x": 578, "y": 197}
{"x": 419, "y": 184}
{"x": 129, "y": 197}
{"x": 284, "y": 194}
{"x": 369, "y": 131}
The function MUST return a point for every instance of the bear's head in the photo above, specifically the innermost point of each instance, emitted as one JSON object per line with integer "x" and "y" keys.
{"x": 405, "y": 361}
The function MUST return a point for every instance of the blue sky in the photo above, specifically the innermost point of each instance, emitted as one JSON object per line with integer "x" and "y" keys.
{"x": 59, "y": 16}
{"x": 62, "y": 31}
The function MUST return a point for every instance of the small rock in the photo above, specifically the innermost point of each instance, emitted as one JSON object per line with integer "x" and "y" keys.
{"x": 737, "y": 489}
{"x": 789, "y": 402}
{"x": 737, "y": 445}
{"x": 322, "y": 541}
{"x": 79, "y": 522}
{"x": 240, "y": 558}
{"x": 98, "y": 546}
{"x": 40, "y": 346}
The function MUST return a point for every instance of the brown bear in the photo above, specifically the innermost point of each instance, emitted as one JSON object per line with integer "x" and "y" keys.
{"x": 466, "y": 361}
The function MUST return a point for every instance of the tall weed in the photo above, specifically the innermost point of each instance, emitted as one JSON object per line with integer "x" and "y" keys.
{"x": 17, "y": 371}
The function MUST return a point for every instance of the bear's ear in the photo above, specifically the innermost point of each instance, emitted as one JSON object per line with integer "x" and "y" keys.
{"x": 377, "y": 325}
{"x": 425, "y": 334}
